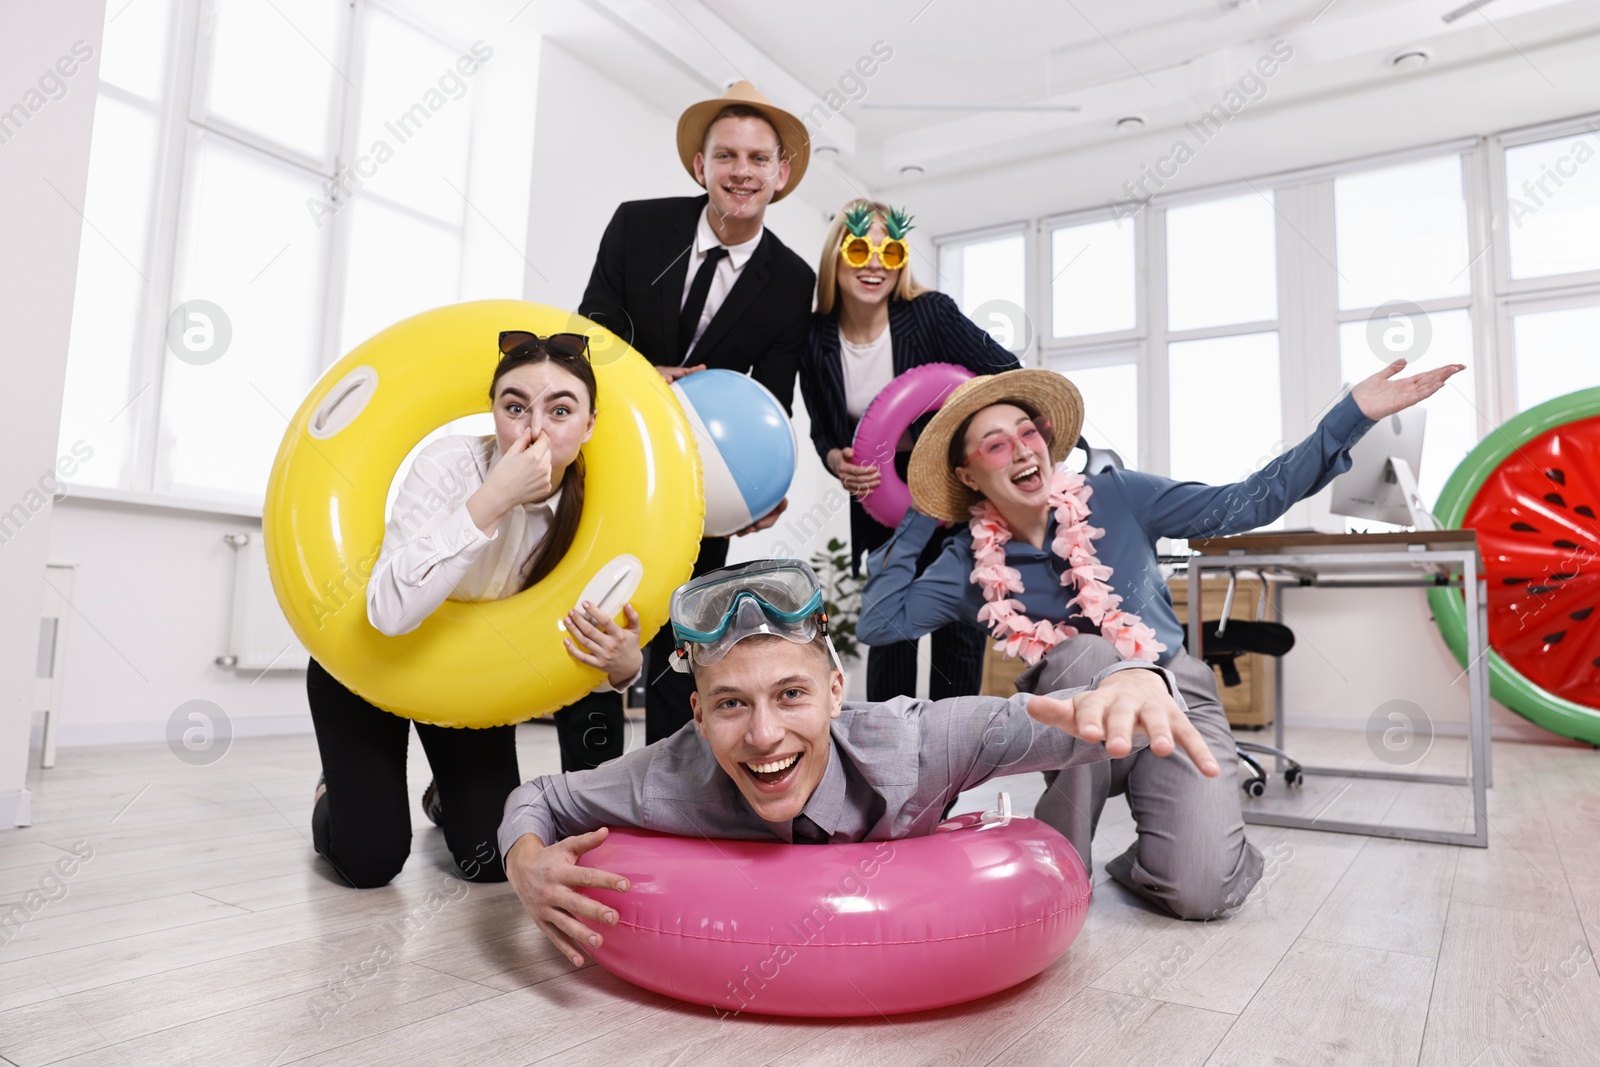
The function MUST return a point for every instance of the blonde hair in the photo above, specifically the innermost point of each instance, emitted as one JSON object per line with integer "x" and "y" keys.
{"x": 905, "y": 286}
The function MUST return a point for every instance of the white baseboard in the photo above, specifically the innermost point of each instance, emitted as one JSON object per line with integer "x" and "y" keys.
{"x": 1525, "y": 732}
{"x": 79, "y": 735}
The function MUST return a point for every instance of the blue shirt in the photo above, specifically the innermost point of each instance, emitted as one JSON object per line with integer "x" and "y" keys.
{"x": 1134, "y": 509}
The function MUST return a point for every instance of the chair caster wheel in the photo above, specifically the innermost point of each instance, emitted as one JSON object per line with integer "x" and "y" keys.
{"x": 1255, "y": 787}
{"x": 1294, "y": 777}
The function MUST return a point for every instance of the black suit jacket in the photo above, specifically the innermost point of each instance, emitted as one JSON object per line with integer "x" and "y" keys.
{"x": 636, "y": 291}
{"x": 927, "y": 329}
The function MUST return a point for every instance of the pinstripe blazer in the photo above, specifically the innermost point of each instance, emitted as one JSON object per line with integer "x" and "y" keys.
{"x": 927, "y": 329}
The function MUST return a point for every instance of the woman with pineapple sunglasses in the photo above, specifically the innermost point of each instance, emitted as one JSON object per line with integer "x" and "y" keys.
{"x": 874, "y": 322}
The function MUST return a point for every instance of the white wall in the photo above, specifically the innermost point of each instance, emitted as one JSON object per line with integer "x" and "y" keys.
{"x": 153, "y": 591}
{"x": 44, "y": 167}
{"x": 1357, "y": 649}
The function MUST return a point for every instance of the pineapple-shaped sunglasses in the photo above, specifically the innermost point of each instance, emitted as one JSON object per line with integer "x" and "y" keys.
{"x": 857, "y": 248}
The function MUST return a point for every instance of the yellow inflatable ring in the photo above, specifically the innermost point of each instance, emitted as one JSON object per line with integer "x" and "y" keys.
{"x": 485, "y": 663}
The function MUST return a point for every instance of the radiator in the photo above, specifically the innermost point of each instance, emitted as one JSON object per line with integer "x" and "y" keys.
{"x": 259, "y": 638}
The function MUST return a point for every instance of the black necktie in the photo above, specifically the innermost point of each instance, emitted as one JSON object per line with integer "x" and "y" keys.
{"x": 806, "y": 832}
{"x": 695, "y": 303}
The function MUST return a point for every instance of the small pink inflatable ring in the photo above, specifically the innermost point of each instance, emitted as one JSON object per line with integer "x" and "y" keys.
{"x": 915, "y": 393}
{"x": 841, "y": 930}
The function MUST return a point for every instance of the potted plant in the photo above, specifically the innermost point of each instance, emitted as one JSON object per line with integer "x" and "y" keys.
{"x": 841, "y": 598}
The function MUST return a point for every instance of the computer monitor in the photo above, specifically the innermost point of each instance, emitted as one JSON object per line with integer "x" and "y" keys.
{"x": 1381, "y": 483}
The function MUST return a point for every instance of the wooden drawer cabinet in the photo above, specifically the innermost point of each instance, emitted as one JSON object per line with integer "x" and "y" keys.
{"x": 1252, "y": 701}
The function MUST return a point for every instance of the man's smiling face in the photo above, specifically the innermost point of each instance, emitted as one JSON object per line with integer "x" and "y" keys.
{"x": 741, "y": 167}
{"x": 765, "y": 709}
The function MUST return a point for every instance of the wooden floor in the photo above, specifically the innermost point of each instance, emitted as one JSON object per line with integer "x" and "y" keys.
{"x": 204, "y": 930}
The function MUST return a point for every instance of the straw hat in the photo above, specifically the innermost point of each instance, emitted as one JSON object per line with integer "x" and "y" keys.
{"x": 935, "y": 489}
{"x": 696, "y": 119}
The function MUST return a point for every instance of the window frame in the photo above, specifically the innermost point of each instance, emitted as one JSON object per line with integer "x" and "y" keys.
{"x": 960, "y": 239}
{"x": 1511, "y": 307}
{"x": 1504, "y": 284}
{"x": 1046, "y": 228}
{"x": 183, "y": 122}
{"x": 1309, "y": 318}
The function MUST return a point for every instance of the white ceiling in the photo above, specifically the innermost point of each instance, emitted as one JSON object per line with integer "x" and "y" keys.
{"x": 1166, "y": 61}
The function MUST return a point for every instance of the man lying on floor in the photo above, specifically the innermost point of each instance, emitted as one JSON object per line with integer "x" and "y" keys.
{"x": 775, "y": 754}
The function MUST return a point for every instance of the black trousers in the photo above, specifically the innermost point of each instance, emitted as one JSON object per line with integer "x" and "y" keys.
{"x": 957, "y": 668}
{"x": 666, "y": 701}
{"x": 362, "y": 824}
{"x": 591, "y": 731}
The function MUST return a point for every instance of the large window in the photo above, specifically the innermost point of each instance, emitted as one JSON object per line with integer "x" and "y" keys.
{"x": 1225, "y": 408}
{"x": 1222, "y": 263}
{"x": 1405, "y": 288}
{"x": 1093, "y": 286}
{"x": 1209, "y": 332}
{"x": 1548, "y": 262}
{"x": 108, "y": 397}
{"x": 988, "y": 277}
{"x": 1402, "y": 233}
{"x": 1556, "y": 353}
{"x": 1109, "y": 382}
{"x": 1553, "y": 206}
{"x": 1094, "y": 268}
{"x": 310, "y": 187}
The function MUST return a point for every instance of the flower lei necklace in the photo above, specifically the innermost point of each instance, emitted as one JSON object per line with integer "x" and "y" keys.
{"x": 1022, "y": 637}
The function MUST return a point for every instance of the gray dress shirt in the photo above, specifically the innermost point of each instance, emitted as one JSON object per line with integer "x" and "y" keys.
{"x": 891, "y": 769}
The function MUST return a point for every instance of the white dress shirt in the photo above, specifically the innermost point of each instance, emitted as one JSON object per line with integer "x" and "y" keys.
{"x": 705, "y": 239}
{"x": 433, "y": 551}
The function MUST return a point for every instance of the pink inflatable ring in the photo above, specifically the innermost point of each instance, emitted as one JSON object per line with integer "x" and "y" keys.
{"x": 842, "y": 930}
{"x": 912, "y": 395}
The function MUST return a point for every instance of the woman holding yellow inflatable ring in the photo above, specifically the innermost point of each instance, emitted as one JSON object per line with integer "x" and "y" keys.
{"x": 502, "y": 512}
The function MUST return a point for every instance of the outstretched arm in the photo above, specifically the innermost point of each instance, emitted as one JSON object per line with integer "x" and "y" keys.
{"x": 1190, "y": 509}
{"x": 1126, "y": 706}
{"x": 897, "y": 604}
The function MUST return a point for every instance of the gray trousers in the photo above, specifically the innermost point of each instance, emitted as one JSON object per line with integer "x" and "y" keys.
{"x": 1191, "y": 857}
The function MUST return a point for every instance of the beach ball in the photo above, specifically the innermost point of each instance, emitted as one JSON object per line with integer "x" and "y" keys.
{"x": 746, "y": 442}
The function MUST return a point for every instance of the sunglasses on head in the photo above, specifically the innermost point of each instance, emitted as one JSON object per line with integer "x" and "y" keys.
{"x": 858, "y": 251}
{"x": 997, "y": 450}
{"x": 558, "y": 345}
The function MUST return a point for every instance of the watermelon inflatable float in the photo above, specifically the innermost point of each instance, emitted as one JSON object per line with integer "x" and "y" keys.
{"x": 1532, "y": 491}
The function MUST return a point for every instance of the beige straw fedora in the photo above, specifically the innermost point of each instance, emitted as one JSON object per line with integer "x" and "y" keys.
{"x": 935, "y": 489}
{"x": 696, "y": 119}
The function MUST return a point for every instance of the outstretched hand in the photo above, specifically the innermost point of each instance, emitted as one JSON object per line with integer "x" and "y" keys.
{"x": 1382, "y": 394}
{"x": 1126, "y": 703}
{"x": 547, "y": 878}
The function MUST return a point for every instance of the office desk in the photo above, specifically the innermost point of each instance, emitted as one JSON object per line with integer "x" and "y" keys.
{"x": 1423, "y": 559}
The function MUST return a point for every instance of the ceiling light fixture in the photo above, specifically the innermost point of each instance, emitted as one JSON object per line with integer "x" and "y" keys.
{"x": 912, "y": 170}
{"x": 1465, "y": 9}
{"x": 1413, "y": 59}
{"x": 1130, "y": 123}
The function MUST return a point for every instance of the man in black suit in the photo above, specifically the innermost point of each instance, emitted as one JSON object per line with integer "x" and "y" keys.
{"x": 698, "y": 282}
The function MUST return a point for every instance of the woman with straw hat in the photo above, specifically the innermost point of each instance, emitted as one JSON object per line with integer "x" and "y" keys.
{"x": 1053, "y": 589}
{"x": 874, "y": 322}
